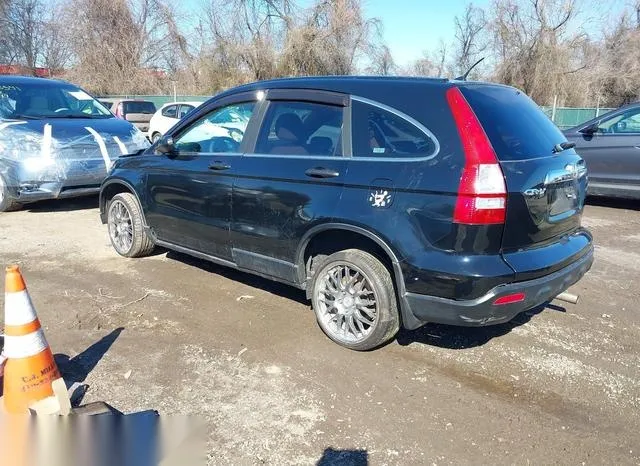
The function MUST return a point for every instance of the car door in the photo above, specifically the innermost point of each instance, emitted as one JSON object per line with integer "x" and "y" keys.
{"x": 189, "y": 191}
{"x": 290, "y": 181}
{"x": 391, "y": 158}
{"x": 612, "y": 153}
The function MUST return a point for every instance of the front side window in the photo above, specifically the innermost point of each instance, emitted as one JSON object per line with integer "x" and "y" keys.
{"x": 170, "y": 111}
{"x": 219, "y": 131}
{"x": 627, "y": 122}
{"x": 301, "y": 128}
{"x": 380, "y": 133}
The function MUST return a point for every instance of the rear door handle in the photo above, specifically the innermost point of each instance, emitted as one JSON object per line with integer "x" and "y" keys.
{"x": 320, "y": 172}
{"x": 218, "y": 166}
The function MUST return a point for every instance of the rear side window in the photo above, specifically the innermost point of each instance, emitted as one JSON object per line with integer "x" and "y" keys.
{"x": 170, "y": 111}
{"x": 139, "y": 107}
{"x": 184, "y": 109}
{"x": 301, "y": 128}
{"x": 380, "y": 133}
{"x": 515, "y": 125}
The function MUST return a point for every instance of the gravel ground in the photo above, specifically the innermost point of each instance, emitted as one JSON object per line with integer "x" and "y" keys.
{"x": 182, "y": 336}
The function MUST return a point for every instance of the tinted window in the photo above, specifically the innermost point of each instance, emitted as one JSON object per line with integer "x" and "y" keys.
{"x": 627, "y": 122}
{"x": 170, "y": 111}
{"x": 380, "y": 133}
{"x": 301, "y": 128}
{"x": 215, "y": 133}
{"x": 184, "y": 109}
{"x": 515, "y": 125}
{"x": 139, "y": 107}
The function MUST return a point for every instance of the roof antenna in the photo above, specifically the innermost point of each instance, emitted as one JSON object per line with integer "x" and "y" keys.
{"x": 464, "y": 76}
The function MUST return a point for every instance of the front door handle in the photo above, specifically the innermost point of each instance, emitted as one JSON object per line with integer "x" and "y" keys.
{"x": 218, "y": 166}
{"x": 320, "y": 172}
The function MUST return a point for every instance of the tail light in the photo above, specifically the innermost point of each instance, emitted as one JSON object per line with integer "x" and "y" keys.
{"x": 482, "y": 194}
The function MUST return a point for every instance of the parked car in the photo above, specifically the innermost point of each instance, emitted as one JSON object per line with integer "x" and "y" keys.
{"x": 108, "y": 103}
{"x": 138, "y": 112}
{"x": 56, "y": 141}
{"x": 610, "y": 145}
{"x": 168, "y": 115}
{"x": 391, "y": 201}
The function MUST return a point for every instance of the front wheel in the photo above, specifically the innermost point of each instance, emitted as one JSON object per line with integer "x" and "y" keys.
{"x": 155, "y": 137}
{"x": 6, "y": 203}
{"x": 354, "y": 300}
{"x": 126, "y": 227}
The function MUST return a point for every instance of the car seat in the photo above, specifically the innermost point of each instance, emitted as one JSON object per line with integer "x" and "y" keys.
{"x": 290, "y": 133}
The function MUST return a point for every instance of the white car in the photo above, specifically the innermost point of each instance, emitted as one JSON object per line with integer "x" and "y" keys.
{"x": 168, "y": 115}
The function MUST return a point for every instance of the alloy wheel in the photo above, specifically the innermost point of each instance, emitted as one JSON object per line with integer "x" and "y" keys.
{"x": 120, "y": 226}
{"x": 347, "y": 303}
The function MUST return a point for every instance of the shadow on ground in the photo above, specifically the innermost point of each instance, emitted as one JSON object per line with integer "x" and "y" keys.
{"x": 613, "y": 203}
{"x": 77, "y": 368}
{"x": 273, "y": 287}
{"x": 454, "y": 337}
{"x": 63, "y": 205}
{"x": 332, "y": 457}
{"x": 443, "y": 336}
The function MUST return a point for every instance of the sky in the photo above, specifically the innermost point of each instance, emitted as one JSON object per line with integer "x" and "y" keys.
{"x": 413, "y": 26}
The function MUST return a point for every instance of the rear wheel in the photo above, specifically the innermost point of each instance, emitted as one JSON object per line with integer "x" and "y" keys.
{"x": 6, "y": 203}
{"x": 354, "y": 300}
{"x": 155, "y": 137}
{"x": 126, "y": 227}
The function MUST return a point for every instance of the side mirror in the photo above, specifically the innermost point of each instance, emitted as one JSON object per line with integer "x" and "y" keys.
{"x": 591, "y": 129}
{"x": 166, "y": 147}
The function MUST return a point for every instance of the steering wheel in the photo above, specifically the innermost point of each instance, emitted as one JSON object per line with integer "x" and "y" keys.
{"x": 61, "y": 109}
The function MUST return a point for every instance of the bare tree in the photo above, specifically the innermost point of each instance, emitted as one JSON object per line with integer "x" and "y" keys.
{"x": 333, "y": 37}
{"x": 22, "y": 21}
{"x": 120, "y": 46}
{"x": 382, "y": 62}
{"x": 469, "y": 38}
{"x": 534, "y": 44}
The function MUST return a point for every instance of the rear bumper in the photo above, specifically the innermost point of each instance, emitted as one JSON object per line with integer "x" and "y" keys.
{"x": 481, "y": 311}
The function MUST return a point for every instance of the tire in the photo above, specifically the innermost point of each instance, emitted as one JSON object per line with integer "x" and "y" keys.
{"x": 340, "y": 302}
{"x": 6, "y": 203}
{"x": 155, "y": 137}
{"x": 126, "y": 227}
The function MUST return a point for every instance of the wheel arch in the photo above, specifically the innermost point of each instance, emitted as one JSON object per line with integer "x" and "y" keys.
{"x": 390, "y": 259}
{"x": 116, "y": 186}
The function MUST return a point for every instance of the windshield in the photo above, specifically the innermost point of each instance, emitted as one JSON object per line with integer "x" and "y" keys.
{"x": 37, "y": 101}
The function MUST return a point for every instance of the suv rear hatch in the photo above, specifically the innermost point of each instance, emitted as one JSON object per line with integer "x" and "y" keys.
{"x": 139, "y": 113}
{"x": 546, "y": 183}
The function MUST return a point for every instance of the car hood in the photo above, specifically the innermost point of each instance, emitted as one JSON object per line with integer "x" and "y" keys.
{"x": 64, "y": 138}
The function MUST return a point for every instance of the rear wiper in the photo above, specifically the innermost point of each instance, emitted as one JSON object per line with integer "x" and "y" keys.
{"x": 563, "y": 146}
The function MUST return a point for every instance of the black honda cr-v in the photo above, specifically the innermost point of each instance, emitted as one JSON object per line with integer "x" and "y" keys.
{"x": 391, "y": 201}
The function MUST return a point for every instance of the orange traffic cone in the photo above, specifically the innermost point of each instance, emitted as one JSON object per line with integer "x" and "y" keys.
{"x": 30, "y": 368}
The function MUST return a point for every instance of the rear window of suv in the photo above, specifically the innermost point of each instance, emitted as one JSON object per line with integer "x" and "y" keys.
{"x": 515, "y": 125}
{"x": 139, "y": 107}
